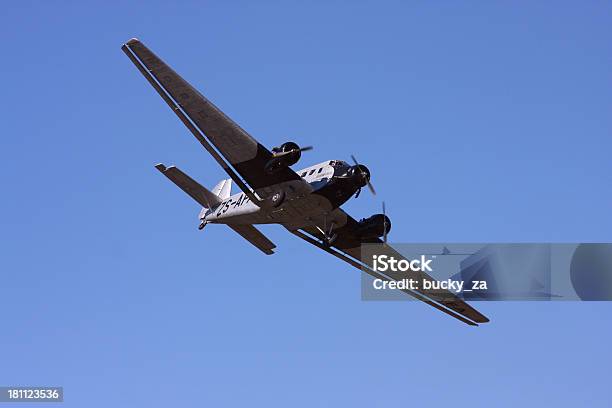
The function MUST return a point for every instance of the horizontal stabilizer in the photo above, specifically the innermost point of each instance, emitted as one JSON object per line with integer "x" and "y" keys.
{"x": 255, "y": 237}
{"x": 195, "y": 190}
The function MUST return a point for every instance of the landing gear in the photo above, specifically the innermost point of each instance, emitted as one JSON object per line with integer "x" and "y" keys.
{"x": 328, "y": 235}
{"x": 277, "y": 198}
{"x": 202, "y": 225}
{"x": 330, "y": 239}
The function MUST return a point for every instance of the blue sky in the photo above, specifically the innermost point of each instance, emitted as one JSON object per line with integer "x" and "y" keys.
{"x": 481, "y": 122}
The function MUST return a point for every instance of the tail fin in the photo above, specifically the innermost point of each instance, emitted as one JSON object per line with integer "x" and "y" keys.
{"x": 190, "y": 186}
{"x": 223, "y": 189}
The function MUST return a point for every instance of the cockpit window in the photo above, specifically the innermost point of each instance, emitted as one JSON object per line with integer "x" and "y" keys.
{"x": 304, "y": 174}
{"x": 311, "y": 172}
{"x": 320, "y": 170}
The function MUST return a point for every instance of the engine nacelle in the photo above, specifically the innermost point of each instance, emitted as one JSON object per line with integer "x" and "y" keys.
{"x": 360, "y": 175}
{"x": 286, "y": 155}
{"x": 291, "y": 150}
{"x": 374, "y": 227}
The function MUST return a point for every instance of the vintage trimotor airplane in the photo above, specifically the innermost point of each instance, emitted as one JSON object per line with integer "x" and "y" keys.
{"x": 307, "y": 203}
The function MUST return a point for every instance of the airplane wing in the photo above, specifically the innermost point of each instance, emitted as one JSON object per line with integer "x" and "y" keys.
{"x": 240, "y": 151}
{"x": 347, "y": 246}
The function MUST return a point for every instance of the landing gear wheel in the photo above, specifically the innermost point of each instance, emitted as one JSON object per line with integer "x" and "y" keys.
{"x": 277, "y": 198}
{"x": 329, "y": 240}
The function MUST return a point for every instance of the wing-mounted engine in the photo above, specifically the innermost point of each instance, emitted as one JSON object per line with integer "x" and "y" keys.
{"x": 284, "y": 156}
{"x": 376, "y": 226}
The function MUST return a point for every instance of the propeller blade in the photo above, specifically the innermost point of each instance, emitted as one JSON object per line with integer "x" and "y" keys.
{"x": 384, "y": 222}
{"x": 371, "y": 187}
{"x": 301, "y": 149}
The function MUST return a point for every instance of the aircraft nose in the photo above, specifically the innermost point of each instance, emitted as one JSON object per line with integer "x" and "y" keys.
{"x": 361, "y": 174}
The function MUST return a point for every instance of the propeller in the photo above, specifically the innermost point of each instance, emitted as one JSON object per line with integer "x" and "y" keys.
{"x": 384, "y": 222}
{"x": 300, "y": 149}
{"x": 364, "y": 174}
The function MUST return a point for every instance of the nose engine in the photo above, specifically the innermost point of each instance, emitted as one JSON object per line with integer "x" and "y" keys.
{"x": 360, "y": 175}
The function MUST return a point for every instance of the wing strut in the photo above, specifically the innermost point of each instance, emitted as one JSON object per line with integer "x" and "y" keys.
{"x": 372, "y": 272}
{"x": 179, "y": 112}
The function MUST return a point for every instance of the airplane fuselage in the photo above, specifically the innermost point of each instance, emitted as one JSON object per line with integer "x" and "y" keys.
{"x": 328, "y": 187}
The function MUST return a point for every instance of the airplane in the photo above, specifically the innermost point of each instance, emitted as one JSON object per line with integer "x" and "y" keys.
{"x": 306, "y": 202}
